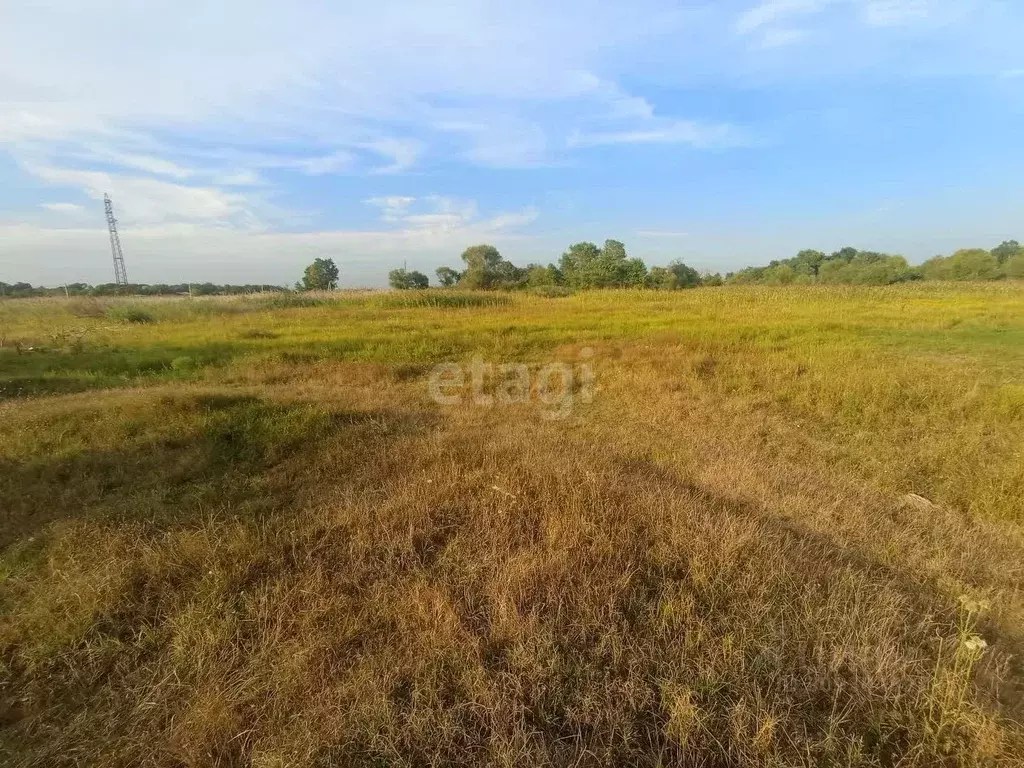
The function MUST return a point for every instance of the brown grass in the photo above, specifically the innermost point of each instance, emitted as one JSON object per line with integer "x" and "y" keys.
{"x": 311, "y": 563}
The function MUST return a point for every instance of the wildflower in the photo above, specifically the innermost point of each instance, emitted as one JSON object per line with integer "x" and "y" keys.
{"x": 975, "y": 644}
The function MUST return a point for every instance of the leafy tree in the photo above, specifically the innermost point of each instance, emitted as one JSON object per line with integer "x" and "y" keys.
{"x": 538, "y": 276}
{"x": 661, "y": 278}
{"x": 577, "y": 264}
{"x": 481, "y": 267}
{"x": 780, "y": 274}
{"x": 967, "y": 264}
{"x": 686, "y": 277}
{"x": 404, "y": 280}
{"x": 585, "y": 265}
{"x": 1007, "y": 250}
{"x": 447, "y": 276}
{"x": 1014, "y": 267}
{"x": 321, "y": 275}
{"x": 634, "y": 273}
{"x": 808, "y": 262}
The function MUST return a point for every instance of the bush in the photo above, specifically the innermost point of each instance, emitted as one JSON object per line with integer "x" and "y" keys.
{"x": 88, "y": 307}
{"x": 1014, "y": 267}
{"x": 130, "y": 315}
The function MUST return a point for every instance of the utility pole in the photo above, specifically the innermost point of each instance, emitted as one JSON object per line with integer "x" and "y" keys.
{"x": 120, "y": 275}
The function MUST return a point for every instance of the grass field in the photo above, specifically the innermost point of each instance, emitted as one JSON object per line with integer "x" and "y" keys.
{"x": 243, "y": 531}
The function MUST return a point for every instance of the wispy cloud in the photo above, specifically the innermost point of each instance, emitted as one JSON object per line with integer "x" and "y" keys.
{"x": 696, "y": 134}
{"x": 661, "y": 233}
{"x": 774, "y": 11}
{"x": 891, "y": 13}
{"x": 440, "y": 213}
{"x": 779, "y": 38}
{"x": 146, "y": 201}
{"x": 72, "y": 208}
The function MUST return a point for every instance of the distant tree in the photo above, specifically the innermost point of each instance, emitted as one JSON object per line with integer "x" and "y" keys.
{"x": 661, "y": 278}
{"x": 585, "y": 265}
{"x": 1007, "y": 250}
{"x": 404, "y": 280}
{"x": 447, "y": 276}
{"x": 780, "y": 274}
{"x": 481, "y": 267}
{"x": 711, "y": 280}
{"x": 577, "y": 263}
{"x": 538, "y": 276}
{"x": 634, "y": 273}
{"x": 508, "y": 276}
{"x": 967, "y": 264}
{"x": 686, "y": 277}
{"x": 808, "y": 262}
{"x": 844, "y": 254}
{"x": 1014, "y": 267}
{"x": 321, "y": 275}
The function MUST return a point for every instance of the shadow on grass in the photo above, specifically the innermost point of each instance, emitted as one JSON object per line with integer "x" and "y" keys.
{"x": 216, "y": 456}
{"x": 58, "y": 372}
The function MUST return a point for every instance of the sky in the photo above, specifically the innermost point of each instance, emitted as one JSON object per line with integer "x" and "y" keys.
{"x": 239, "y": 140}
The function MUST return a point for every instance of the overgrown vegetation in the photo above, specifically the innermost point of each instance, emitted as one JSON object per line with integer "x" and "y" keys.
{"x": 786, "y": 531}
{"x": 586, "y": 266}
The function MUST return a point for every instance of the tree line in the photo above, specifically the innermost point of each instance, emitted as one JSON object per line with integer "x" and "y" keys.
{"x": 853, "y": 267}
{"x": 582, "y": 266}
{"x": 27, "y": 290}
{"x": 585, "y": 266}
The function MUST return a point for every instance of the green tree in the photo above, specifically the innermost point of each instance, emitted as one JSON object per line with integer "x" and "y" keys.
{"x": 661, "y": 278}
{"x": 321, "y": 275}
{"x": 1007, "y": 250}
{"x": 447, "y": 276}
{"x": 780, "y": 274}
{"x": 539, "y": 276}
{"x": 577, "y": 264}
{"x": 403, "y": 280}
{"x": 686, "y": 277}
{"x": 967, "y": 264}
{"x": 634, "y": 273}
{"x": 481, "y": 267}
{"x": 1014, "y": 267}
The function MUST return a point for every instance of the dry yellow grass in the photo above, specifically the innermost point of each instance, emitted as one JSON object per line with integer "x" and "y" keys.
{"x": 285, "y": 553}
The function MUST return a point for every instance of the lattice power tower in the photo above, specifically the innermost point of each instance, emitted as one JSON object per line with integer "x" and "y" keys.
{"x": 120, "y": 275}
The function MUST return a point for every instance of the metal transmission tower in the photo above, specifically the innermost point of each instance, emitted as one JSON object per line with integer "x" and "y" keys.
{"x": 120, "y": 275}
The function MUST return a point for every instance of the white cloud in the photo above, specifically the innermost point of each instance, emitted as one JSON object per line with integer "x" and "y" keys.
{"x": 773, "y": 11}
{"x": 318, "y": 166}
{"x": 393, "y": 207}
{"x": 661, "y": 233}
{"x": 701, "y": 135}
{"x": 176, "y": 252}
{"x": 890, "y": 13}
{"x": 779, "y": 38}
{"x": 157, "y": 166}
{"x": 439, "y": 213}
{"x": 67, "y": 208}
{"x": 145, "y": 201}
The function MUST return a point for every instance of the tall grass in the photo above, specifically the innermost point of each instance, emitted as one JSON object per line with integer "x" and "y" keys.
{"x": 286, "y": 553}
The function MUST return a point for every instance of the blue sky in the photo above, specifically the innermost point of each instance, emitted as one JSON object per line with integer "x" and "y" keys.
{"x": 241, "y": 139}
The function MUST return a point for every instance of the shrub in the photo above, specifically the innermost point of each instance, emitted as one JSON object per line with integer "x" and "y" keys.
{"x": 130, "y": 315}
